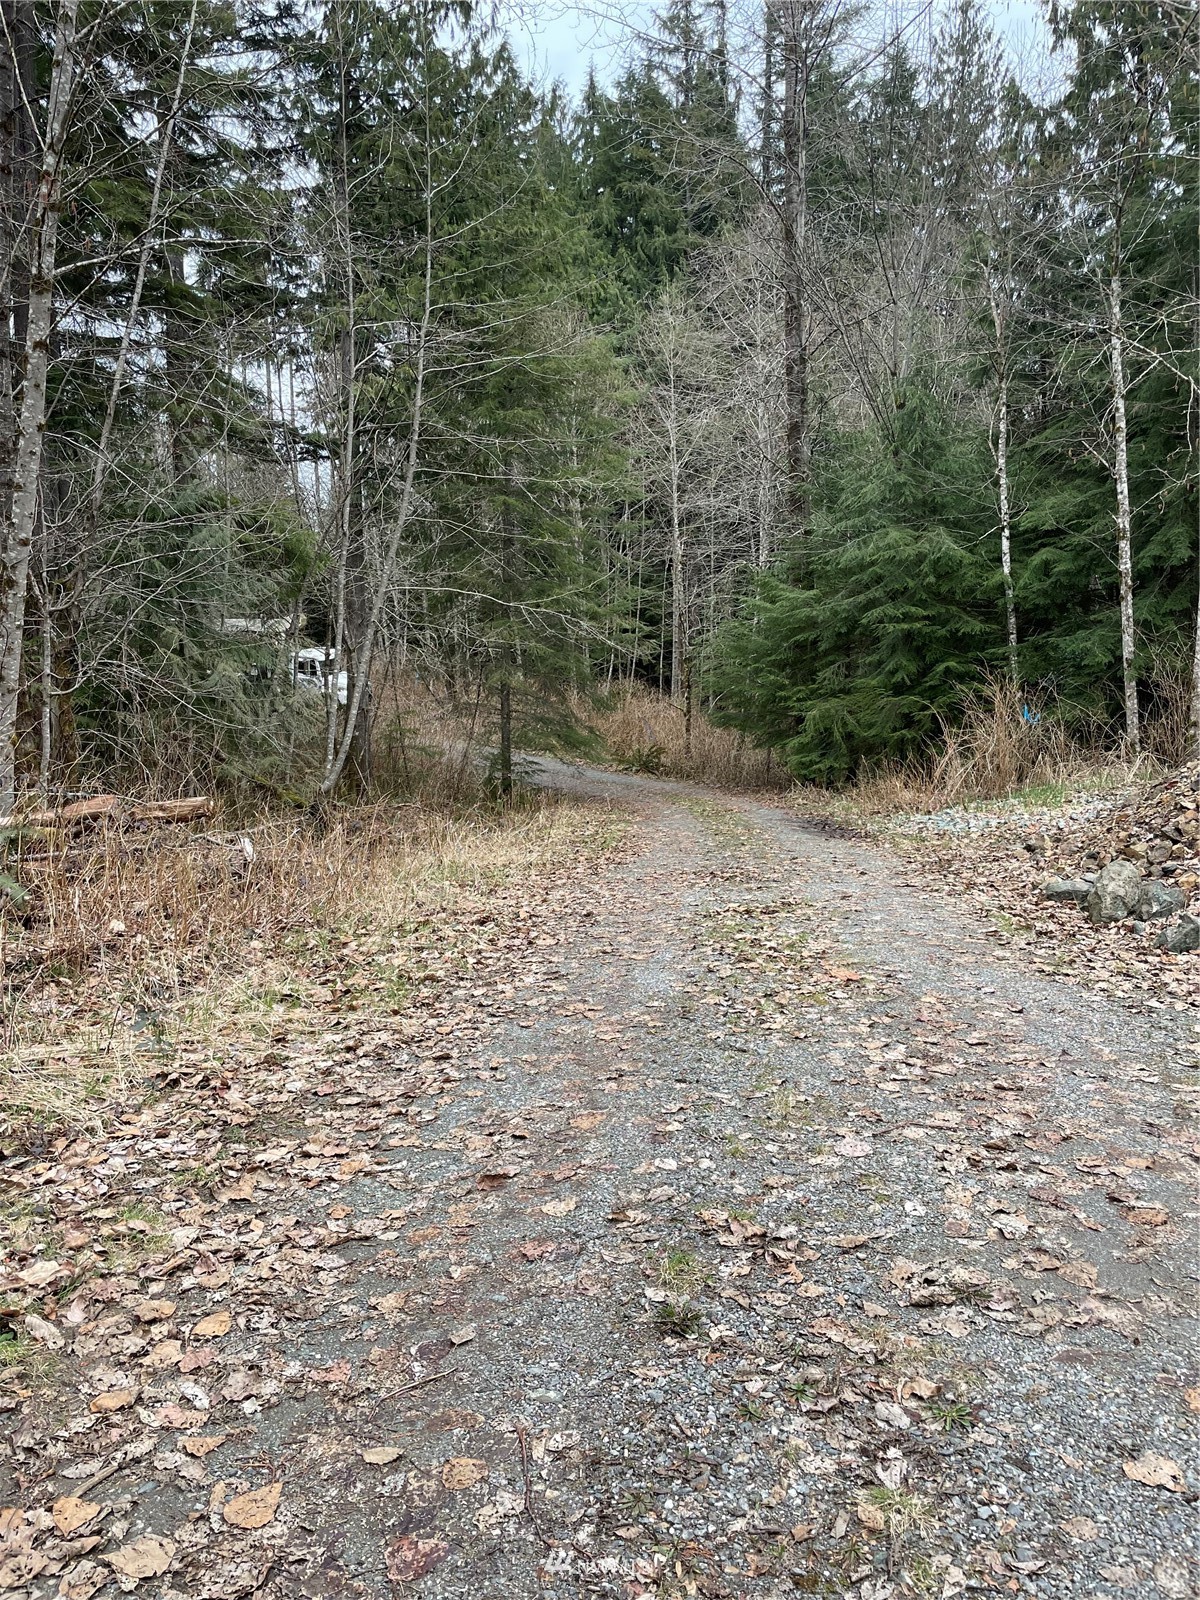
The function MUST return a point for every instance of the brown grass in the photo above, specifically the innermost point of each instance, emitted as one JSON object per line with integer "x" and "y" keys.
{"x": 133, "y": 944}
{"x": 994, "y": 753}
{"x": 646, "y": 732}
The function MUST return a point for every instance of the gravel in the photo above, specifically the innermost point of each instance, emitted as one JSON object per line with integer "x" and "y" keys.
{"x": 757, "y": 1087}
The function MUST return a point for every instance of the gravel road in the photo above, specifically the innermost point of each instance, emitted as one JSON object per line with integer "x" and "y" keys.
{"x": 782, "y": 1240}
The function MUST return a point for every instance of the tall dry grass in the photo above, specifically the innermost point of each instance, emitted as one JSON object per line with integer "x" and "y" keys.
{"x": 128, "y": 938}
{"x": 996, "y": 751}
{"x": 646, "y": 732}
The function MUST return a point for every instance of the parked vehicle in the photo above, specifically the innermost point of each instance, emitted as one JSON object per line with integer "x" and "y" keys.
{"x": 314, "y": 670}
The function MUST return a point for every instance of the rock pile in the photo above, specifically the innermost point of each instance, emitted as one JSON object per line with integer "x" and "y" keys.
{"x": 1140, "y": 861}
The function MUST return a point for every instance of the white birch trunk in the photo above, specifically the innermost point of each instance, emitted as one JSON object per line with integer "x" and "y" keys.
{"x": 1124, "y": 519}
{"x": 17, "y": 539}
{"x": 678, "y": 595}
{"x": 1010, "y": 604}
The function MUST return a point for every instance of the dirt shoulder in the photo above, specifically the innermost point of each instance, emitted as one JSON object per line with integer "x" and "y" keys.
{"x": 994, "y": 861}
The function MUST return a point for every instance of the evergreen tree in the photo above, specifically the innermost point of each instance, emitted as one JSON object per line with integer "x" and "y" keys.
{"x": 896, "y": 614}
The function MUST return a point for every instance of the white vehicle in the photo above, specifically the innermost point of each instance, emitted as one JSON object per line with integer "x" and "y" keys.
{"x": 314, "y": 671}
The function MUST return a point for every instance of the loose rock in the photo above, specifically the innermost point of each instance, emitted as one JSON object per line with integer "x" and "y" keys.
{"x": 1115, "y": 892}
{"x": 1076, "y": 889}
{"x": 1158, "y": 899}
{"x": 1181, "y": 936}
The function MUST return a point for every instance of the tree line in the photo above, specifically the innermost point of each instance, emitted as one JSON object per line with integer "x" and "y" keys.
{"x": 810, "y": 371}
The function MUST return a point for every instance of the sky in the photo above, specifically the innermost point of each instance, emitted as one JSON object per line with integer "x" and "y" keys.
{"x": 557, "y": 40}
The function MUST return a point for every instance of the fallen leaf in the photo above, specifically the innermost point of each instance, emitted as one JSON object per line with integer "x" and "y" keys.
{"x": 923, "y": 1388}
{"x": 255, "y": 1508}
{"x": 1011, "y": 1225}
{"x": 410, "y": 1557}
{"x": 113, "y": 1400}
{"x": 1081, "y": 1528}
{"x": 214, "y": 1326}
{"x": 1082, "y": 1273}
{"x": 1172, "y": 1579}
{"x": 462, "y": 1335}
{"x": 1146, "y": 1216}
{"x": 154, "y": 1310}
{"x": 379, "y": 1455}
{"x": 43, "y": 1332}
{"x": 461, "y": 1472}
{"x": 70, "y": 1513}
{"x": 203, "y": 1444}
{"x": 41, "y": 1273}
{"x": 493, "y": 1180}
{"x": 1159, "y": 1472}
{"x": 147, "y": 1557}
{"x": 871, "y": 1516}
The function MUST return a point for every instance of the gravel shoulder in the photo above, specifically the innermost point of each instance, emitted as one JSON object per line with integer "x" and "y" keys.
{"x": 764, "y": 1234}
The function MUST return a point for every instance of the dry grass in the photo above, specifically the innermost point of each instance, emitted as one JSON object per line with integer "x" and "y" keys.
{"x": 134, "y": 945}
{"x": 645, "y": 732}
{"x": 995, "y": 753}
{"x": 428, "y": 743}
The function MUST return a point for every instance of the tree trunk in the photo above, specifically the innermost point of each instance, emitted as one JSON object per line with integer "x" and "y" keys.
{"x": 679, "y": 648}
{"x": 1010, "y": 604}
{"x": 166, "y": 136}
{"x": 766, "y": 126}
{"x": 16, "y": 542}
{"x": 17, "y": 92}
{"x": 337, "y": 758}
{"x": 688, "y": 709}
{"x": 796, "y": 313}
{"x": 1133, "y": 736}
{"x": 506, "y": 764}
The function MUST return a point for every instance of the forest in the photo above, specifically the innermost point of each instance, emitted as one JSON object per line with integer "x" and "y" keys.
{"x": 816, "y": 369}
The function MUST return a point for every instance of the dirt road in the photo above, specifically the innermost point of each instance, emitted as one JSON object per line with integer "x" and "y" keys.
{"x": 774, "y": 1236}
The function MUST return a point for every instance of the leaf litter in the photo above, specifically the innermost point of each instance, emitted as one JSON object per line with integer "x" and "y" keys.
{"x": 878, "y": 1204}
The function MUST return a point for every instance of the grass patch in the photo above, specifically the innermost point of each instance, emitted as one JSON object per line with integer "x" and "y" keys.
{"x": 134, "y": 956}
{"x": 949, "y": 1414}
{"x": 680, "y": 1273}
{"x": 896, "y": 1512}
{"x": 678, "y": 1318}
{"x": 646, "y": 732}
{"x": 23, "y": 1360}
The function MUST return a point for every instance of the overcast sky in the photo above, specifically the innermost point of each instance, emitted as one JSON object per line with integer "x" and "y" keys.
{"x": 557, "y": 40}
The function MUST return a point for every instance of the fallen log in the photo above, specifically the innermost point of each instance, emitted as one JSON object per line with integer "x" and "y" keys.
{"x": 187, "y": 810}
{"x": 111, "y": 808}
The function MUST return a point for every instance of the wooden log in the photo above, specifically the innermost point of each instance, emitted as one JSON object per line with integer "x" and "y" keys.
{"x": 100, "y": 808}
{"x": 186, "y": 810}
{"x": 110, "y": 808}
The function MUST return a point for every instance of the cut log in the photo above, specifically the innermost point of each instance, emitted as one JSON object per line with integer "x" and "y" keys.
{"x": 100, "y": 808}
{"x": 110, "y": 808}
{"x": 186, "y": 810}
